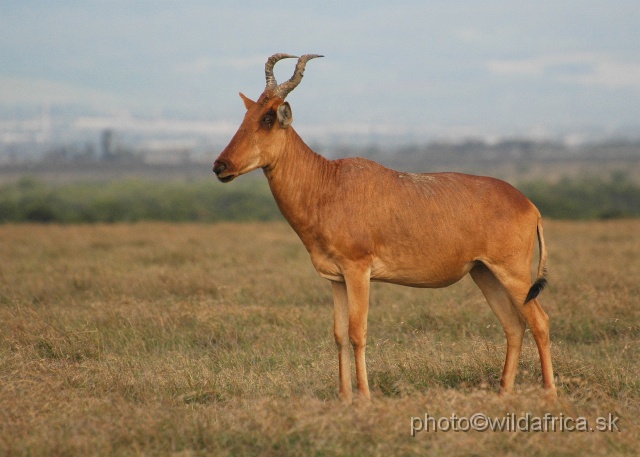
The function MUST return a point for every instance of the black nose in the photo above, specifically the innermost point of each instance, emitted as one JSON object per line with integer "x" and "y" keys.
{"x": 219, "y": 168}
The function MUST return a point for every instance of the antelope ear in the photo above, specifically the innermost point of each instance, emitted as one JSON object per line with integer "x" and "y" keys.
{"x": 248, "y": 103}
{"x": 285, "y": 116}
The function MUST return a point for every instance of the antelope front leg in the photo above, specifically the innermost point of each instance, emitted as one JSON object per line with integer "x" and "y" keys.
{"x": 358, "y": 297}
{"x": 341, "y": 334}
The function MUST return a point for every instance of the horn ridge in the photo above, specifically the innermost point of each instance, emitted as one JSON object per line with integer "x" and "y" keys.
{"x": 268, "y": 68}
{"x": 285, "y": 88}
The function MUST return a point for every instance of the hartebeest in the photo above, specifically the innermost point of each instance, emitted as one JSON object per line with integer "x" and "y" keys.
{"x": 362, "y": 222}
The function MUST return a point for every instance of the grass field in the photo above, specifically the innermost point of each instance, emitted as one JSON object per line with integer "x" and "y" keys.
{"x": 194, "y": 339}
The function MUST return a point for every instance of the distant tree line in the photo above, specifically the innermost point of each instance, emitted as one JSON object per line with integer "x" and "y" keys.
{"x": 112, "y": 148}
{"x": 421, "y": 157}
{"x": 586, "y": 197}
{"x": 131, "y": 200}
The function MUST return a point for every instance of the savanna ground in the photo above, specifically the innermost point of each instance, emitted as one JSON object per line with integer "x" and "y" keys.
{"x": 196, "y": 339}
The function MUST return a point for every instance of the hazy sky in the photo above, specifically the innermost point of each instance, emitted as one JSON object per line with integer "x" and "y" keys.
{"x": 438, "y": 66}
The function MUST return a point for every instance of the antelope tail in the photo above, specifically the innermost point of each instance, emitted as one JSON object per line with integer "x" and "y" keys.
{"x": 541, "y": 280}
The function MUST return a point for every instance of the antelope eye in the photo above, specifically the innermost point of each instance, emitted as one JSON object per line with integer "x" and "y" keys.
{"x": 267, "y": 120}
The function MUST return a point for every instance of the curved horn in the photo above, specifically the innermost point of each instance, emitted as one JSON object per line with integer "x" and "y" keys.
{"x": 268, "y": 68}
{"x": 283, "y": 89}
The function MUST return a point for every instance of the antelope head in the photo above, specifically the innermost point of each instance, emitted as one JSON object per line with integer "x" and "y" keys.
{"x": 261, "y": 136}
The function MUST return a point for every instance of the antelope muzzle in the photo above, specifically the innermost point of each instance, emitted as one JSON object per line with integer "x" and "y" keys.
{"x": 220, "y": 169}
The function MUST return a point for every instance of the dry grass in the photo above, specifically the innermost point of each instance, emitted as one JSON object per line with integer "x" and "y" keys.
{"x": 160, "y": 339}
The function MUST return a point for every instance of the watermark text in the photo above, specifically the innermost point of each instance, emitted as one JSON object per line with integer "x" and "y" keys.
{"x": 512, "y": 422}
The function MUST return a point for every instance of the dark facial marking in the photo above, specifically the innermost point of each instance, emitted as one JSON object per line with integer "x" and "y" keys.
{"x": 268, "y": 119}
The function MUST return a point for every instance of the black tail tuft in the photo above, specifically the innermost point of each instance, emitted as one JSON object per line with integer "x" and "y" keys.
{"x": 536, "y": 288}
